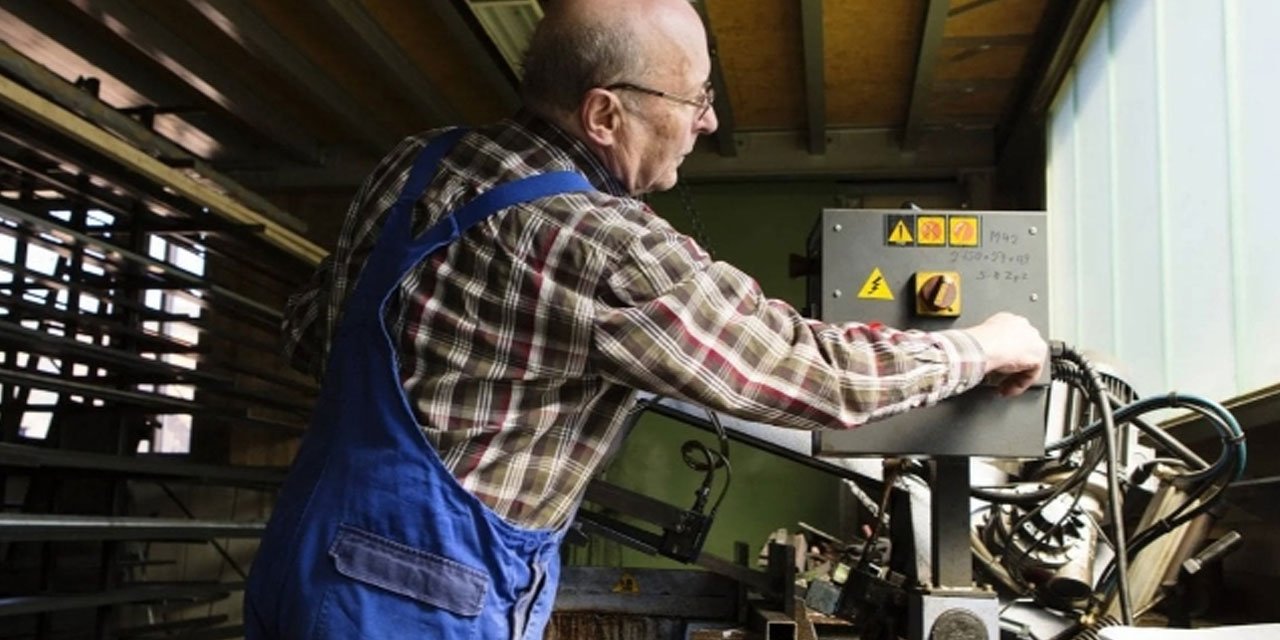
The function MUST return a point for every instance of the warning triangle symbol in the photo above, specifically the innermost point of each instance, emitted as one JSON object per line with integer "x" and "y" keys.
{"x": 627, "y": 584}
{"x": 876, "y": 287}
{"x": 900, "y": 234}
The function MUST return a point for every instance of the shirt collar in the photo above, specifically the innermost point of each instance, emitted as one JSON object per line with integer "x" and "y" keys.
{"x": 574, "y": 150}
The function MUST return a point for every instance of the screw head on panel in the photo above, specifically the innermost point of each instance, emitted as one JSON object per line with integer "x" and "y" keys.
{"x": 1035, "y": 297}
{"x": 836, "y": 293}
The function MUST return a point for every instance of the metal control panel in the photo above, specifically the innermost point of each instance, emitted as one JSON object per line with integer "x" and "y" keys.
{"x": 934, "y": 270}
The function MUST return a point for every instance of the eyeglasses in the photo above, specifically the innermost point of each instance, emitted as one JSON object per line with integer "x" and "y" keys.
{"x": 702, "y": 103}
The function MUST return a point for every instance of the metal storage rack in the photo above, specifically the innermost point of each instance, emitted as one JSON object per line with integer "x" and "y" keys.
{"x": 102, "y": 316}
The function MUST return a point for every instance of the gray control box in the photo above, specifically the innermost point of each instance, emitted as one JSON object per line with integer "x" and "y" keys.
{"x": 934, "y": 270}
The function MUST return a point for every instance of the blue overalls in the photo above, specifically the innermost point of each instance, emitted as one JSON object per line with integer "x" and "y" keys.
{"x": 372, "y": 537}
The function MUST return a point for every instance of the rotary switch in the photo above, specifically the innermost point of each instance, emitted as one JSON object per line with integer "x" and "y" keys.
{"x": 938, "y": 294}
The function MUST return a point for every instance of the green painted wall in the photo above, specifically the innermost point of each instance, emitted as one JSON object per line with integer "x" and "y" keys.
{"x": 753, "y": 226}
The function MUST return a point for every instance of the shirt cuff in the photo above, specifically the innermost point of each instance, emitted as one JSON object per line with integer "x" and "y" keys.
{"x": 967, "y": 363}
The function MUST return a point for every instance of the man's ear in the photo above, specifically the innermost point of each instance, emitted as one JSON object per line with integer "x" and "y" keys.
{"x": 601, "y": 116}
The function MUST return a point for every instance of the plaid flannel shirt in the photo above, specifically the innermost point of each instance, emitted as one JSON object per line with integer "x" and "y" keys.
{"x": 521, "y": 343}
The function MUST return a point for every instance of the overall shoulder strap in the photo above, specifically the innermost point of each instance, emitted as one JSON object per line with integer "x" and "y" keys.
{"x": 500, "y": 197}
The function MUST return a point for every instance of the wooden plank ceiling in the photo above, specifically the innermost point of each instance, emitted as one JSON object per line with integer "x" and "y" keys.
{"x": 298, "y": 95}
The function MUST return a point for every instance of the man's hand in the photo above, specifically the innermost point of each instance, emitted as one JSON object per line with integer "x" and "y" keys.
{"x": 1014, "y": 349}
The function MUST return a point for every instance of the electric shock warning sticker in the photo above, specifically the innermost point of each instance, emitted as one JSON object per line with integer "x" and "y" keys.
{"x": 876, "y": 287}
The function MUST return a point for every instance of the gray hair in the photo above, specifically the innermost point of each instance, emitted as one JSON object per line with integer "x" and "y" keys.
{"x": 567, "y": 58}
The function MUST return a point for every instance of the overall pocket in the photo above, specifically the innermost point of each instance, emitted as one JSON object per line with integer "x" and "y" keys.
{"x": 389, "y": 590}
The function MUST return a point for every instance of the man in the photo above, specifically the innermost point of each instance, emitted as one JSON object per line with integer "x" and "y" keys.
{"x": 479, "y": 360}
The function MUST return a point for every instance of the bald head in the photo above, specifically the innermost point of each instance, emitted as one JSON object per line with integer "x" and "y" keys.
{"x": 581, "y": 44}
{"x": 655, "y": 23}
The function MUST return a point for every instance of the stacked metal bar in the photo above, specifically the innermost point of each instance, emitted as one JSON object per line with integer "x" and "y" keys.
{"x": 144, "y": 415}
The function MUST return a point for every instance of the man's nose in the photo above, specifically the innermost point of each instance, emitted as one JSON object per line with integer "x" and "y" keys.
{"x": 708, "y": 123}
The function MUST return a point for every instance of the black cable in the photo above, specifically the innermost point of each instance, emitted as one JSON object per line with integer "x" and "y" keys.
{"x": 1097, "y": 395}
{"x": 1153, "y": 532}
{"x": 1071, "y": 374}
{"x": 1217, "y": 417}
{"x": 1090, "y": 460}
{"x": 699, "y": 229}
{"x": 721, "y": 434}
{"x": 1230, "y": 463}
{"x": 1169, "y": 523}
{"x": 890, "y": 476}
{"x": 1201, "y": 476}
{"x": 711, "y": 461}
{"x": 1044, "y": 535}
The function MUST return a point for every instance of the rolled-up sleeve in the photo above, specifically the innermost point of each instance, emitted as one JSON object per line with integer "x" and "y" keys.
{"x": 675, "y": 323}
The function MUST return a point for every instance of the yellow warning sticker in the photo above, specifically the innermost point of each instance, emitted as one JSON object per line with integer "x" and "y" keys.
{"x": 931, "y": 231}
{"x": 626, "y": 583}
{"x": 900, "y": 235}
{"x": 965, "y": 231}
{"x": 876, "y": 287}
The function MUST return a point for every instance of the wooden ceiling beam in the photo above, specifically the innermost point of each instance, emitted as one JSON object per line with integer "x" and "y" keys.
{"x": 935, "y": 19}
{"x": 769, "y": 155}
{"x": 988, "y": 42}
{"x": 1061, "y": 32}
{"x": 207, "y": 77}
{"x": 376, "y": 43}
{"x": 479, "y": 54}
{"x": 970, "y": 85}
{"x": 243, "y": 24}
{"x": 963, "y": 8}
{"x": 815, "y": 91}
{"x": 68, "y": 43}
{"x": 726, "y": 144}
{"x": 1066, "y": 45}
{"x": 851, "y": 153}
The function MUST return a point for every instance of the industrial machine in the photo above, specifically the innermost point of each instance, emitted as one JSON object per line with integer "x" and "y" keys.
{"x": 1046, "y": 548}
{"x": 933, "y": 271}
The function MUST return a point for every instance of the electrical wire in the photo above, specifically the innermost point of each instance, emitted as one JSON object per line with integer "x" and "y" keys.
{"x": 699, "y": 229}
{"x": 1097, "y": 396}
{"x": 1230, "y": 462}
{"x": 988, "y": 562}
{"x": 1090, "y": 458}
{"x": 1177, "y": 518}
{"x": 1010, "y": 564}
{"x": 892, "y": 468}
{"x": 711, "y": 461}
{"x": 1035, "y": 501}
{"x": 1218, "y": 417}
{"x": 1228, "y": 467}
{"x": 1205, "y": 482}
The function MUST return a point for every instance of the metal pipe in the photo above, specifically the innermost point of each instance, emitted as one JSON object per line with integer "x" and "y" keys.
{"x": 64, "y": 123}
{"x": 151, "y": 264}
{"x": 42, "y": 527}
{"x": 24, "y": 605}
{"x": 103, "y": 115}
{"x": 20, "y": 456}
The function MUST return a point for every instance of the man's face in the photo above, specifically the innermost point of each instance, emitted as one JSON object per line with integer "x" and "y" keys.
{"x": 663, "y": 112}
{"x": 664, "y": 131}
